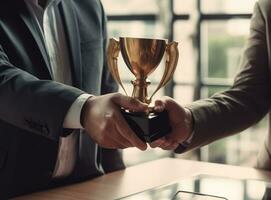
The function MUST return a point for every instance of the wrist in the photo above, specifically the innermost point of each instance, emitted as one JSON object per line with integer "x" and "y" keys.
{"x": 189, "y": 124}
{"x": 189, "y": 121}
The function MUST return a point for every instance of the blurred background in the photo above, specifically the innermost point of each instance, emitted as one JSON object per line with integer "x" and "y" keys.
{"x": 211, "y": 36}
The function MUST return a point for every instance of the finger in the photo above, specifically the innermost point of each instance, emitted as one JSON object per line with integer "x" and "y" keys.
{"x": 124, "y": 129}
{"x": 110, "y": 143}
{"x": 165, "y": 144}
{"x": 120, "y": 140}
{"x": 159, "y": 106}
{"x": 112, "y": 133}
{"x": 170, "y": 104}
{"x": 157, "y": 143}
{"x": 177, "y": 135}
{"x": 130, "y": 103}
{"x": 172, "y": 146}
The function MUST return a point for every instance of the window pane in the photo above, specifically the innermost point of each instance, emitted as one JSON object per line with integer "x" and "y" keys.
{"x": 227, "y": 6}
{"x": 222, "y": 46}
{"x": 119, "y": 7}
{"x": 129, "y": 89}
{"x": 244, "y": 149}
{"x": 184, "y": 6}
{"x": 186, "y": 69}
{"x": 240, "y": 149}
{"x": 209, "y": 91}
{"x": 183, "y": 94}
{"x": 134, "y": 29}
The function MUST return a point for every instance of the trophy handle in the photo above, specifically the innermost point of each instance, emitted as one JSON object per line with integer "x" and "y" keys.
{"x": 172, "y": 56}
{"x": 112, "y": 59}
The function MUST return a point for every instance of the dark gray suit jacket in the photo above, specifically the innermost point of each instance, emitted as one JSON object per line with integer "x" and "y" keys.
{"x": 249, "y": 100}
{"x": 33, "y": 107}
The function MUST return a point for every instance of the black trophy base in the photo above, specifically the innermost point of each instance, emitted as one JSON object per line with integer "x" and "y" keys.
{"x": 148, "y": 127}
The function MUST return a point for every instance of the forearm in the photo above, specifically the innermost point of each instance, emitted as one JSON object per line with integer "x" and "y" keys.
{"x": 246, "y": 102}
{"x": 224, "y": 115}
{"x": 35, "y": 105}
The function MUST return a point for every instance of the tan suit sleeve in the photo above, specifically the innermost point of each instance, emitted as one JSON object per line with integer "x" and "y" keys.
{"x": 246, "y": 102}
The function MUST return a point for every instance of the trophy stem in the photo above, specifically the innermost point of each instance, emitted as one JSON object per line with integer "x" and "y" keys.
{"x": 140, "y": 90}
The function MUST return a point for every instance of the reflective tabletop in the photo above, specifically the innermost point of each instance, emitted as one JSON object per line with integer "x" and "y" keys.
{"x": 205, "y": 187}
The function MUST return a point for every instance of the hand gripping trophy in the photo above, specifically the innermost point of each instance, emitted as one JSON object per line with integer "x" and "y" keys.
{"x": 142, "y": 56}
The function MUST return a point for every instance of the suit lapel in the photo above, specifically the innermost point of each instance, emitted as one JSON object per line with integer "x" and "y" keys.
{"x": 87, "y": 149}
{"x": 71, "y": 29}
{"x": 37, "y": 35}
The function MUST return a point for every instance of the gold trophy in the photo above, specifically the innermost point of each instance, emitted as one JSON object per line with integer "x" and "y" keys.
{"x": 142, "y": 56}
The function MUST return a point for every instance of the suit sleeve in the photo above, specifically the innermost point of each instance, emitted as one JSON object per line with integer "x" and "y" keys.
{"x": 38, "y": 106}
{"x": 243, "y": 105}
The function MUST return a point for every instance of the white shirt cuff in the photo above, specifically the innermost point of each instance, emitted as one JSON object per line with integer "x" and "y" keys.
{"x": 72, "y": 119}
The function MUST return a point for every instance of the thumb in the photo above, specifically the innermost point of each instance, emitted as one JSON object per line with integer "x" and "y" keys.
{"x": 130, "y": 103}
{"x": 159, "y": 106}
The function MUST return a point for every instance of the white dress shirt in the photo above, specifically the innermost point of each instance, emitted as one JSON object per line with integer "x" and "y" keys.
{"x": 58, "y": 54}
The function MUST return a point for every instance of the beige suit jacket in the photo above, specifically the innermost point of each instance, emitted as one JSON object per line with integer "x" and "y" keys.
{"x": 248, "y": 100}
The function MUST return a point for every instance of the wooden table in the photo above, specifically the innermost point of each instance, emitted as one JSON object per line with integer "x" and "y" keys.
{"x": 145, "y": 176}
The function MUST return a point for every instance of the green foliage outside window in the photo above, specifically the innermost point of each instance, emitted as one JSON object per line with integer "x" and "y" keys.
{"x": 218, "y": 59}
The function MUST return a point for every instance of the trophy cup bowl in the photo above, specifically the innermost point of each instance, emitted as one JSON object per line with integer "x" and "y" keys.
{"x": 142, "y": 56}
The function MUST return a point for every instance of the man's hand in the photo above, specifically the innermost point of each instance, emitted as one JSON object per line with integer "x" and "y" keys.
{"x": 102, "y": 119}
{"x": 181, "y": 123}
